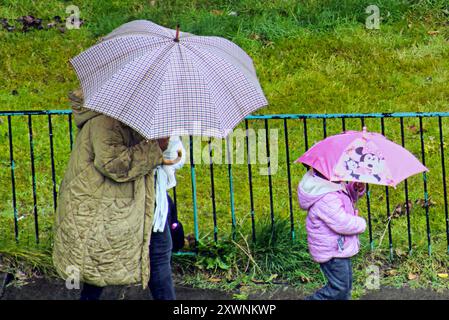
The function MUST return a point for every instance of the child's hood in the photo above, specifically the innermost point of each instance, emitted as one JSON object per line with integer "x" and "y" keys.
{"x": 312, "y": 188}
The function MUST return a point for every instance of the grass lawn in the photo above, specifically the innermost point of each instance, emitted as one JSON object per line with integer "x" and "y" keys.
{"x": 311, "y": 57}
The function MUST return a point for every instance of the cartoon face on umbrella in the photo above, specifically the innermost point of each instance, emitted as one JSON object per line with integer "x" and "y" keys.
{"x": 362, "y": 161}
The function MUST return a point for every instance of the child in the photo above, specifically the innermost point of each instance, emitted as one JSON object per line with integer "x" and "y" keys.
{"x": 333, "y": 226}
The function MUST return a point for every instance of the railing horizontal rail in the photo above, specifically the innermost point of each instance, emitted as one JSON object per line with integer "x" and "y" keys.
{"x": 273, "y": 116}
{"x": 350, "y": 115}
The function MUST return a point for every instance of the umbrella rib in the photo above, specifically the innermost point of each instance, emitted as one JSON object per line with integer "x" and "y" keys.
{"x": 219, "y": 75}
{"x": 193, "y": 43}
{"x": 223, "y": 82}
{"x": 135, "y": 33}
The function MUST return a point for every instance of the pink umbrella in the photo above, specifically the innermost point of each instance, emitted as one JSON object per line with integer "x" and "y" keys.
{"x": 362, "y": 156}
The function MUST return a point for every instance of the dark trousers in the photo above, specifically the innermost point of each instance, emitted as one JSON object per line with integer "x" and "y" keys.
{"x": 161, "y": 282}
{"x": 338, "y": 272}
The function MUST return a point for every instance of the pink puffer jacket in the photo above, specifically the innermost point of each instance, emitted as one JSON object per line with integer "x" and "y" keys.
{"x": 332, "y": 222}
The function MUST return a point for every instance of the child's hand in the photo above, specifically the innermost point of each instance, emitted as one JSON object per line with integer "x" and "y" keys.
{"x": 359, "y": 187}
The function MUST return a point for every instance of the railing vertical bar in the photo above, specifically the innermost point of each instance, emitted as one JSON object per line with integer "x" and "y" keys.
{"x": 407, "y": 204}
{"x": 368, "y": 202}
{"x": 52, "y": 155}
{"x": 250, "y": 181}
{"x": 194, "y": 199}
{"x": 231, "y": 188}
{"x": 343, "y": 124}
{"x": 289, "y": 181}
{"x": 33, "y": 178}
{"x": 270, "y": 183}
{"x": 13, "y": 180}
{"x": 443, "y": 166}
{"x": 387, "y": 200}
{"x": 426, "y": 194}
{"x": 70, "y": 131}
{"x": 306, "y": 138}
{"x": 324, "y": 128}
{"x": 212, "y": 184}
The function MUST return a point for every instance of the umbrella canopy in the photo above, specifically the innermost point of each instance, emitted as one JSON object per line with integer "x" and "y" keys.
{"x": 362, "y": 156}
{"x": 162, "y": 82}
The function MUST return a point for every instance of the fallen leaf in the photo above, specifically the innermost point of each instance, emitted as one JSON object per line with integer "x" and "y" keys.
{"x": 217, "y": 12}
{"x": 412, "y": 276}
{"x": 422, "y": 202}
{"x": 443, "y": 275}
{"x": 254, "y": 36}
{"x": 401, "y": 209}
{"x": 400, "y": 253}
{"x": 397, "y": 212}
{"x": 215, "y": 280}
{"x": 433, "y": 32}
{"x": 392, "y": 272}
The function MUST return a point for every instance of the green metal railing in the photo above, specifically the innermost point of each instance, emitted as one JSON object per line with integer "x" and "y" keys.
{"x": 303, "y": 126}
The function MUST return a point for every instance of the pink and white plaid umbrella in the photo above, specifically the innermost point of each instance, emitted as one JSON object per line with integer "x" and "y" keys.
{"x": 163, "y": 82}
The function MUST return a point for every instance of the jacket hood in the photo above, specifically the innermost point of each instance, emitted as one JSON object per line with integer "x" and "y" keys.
{"x": 80, "y": 114}
{"x": 312, "y": 188}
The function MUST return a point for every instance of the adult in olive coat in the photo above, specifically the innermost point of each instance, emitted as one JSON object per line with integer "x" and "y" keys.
{"x": 106, "y": 202}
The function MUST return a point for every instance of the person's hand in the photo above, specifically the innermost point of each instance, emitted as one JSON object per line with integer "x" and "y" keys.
{"x": 359, "y": 187}
{"x": 163, "y": 143}
{"x": 168, "y": 162}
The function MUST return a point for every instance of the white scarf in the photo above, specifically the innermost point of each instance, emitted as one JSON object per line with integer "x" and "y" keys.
{"x": 165, "y": 180}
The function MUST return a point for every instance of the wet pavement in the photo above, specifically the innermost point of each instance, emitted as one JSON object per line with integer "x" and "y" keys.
{"x": 55, "y": 289}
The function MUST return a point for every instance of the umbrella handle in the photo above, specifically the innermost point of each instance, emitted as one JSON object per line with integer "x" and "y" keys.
{"x": 177, "y": 33}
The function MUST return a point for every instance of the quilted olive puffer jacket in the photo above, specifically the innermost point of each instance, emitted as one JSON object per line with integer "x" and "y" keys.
{"x": 106, "y": 202}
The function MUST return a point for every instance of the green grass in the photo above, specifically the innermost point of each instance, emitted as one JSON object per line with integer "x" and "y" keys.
{"x": 310, "y": 56}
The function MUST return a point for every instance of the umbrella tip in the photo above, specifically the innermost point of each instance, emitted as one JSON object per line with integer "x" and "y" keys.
{"x": 177, "y": 33}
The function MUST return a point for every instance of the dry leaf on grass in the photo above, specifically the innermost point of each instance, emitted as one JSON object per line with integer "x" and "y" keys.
{"x": 392, "y": 272}
{"x": 412, "y": 276}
